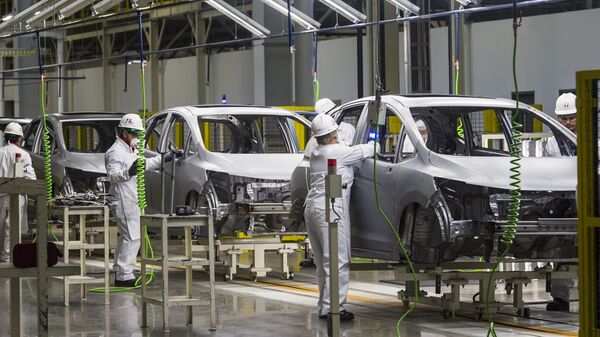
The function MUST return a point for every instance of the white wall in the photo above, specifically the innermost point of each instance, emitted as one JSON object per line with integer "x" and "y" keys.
{"x": 86, "y": 94}
{"x": 232, "y": 74}
{"x": 551, "y": 49}
{"x": 178, "y": 84}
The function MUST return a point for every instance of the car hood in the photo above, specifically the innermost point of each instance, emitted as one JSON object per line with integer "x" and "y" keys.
{"x": 259, "y": 166}
{"x": 88, "y": 162}
{"x": 537, "y": 174}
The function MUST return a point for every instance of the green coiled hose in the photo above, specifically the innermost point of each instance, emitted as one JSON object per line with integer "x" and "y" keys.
{"x": 46, "y": 135}
{"x": 514, "y": 208}
{"x": 141, "y": 164}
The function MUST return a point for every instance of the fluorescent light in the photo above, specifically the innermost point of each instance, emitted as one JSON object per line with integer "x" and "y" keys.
{"x": 466, "y": 3}
{"x": 7, "y": 17}
{"x": 24, "y": 14}
{"x": 73, "y": 8}
{"x": 346, "y": 10}
{"x": 103, "y": 6}
{"x": 140, "y": 3}
{"x": 297, "y": 16}
{"x": 252, "y": 26}
{"x": 405, "y": 6}
{"x": 46, "y": 13}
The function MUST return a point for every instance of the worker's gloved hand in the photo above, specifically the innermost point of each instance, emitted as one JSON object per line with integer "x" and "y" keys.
{"x": 378, "y": 147}
{"x": 133, "y": 168}
{"x": 168, "y": 157}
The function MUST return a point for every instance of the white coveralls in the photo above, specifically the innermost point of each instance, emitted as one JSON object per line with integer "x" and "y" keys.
{"x": 314, "y": 214}
{"x": 124, "y": 204}
{"x": 7, "y": 170}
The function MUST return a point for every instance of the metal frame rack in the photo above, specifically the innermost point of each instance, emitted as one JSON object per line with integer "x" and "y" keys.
{"x": 164, "y": 223}
{"x": 36, "y": 188}
{"x": 282, "y": 243}
{"x": 83, "y": 245}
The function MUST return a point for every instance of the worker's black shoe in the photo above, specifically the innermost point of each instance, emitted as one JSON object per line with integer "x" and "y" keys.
{"x": 345, "y": 316}
{"x": 558, "y": 304}
{"x": 125, "y": 284}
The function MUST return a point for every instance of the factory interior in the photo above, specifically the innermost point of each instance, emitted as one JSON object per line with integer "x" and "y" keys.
{"x": 407, "y": 168}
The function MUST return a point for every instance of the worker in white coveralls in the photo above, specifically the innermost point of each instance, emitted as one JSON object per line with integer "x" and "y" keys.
{"x": 325, "y": 130}
{"x": 121, "y": 168}
{"x": 13, "y": 134}
{"x": 566, "y": 113}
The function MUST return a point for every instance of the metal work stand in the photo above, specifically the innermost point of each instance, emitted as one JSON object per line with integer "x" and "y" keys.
{"x": 37, "y": 189}
{"x": 282, "y": 243}
{"x": 84, "y": 246}
{"x": 163, "y": 223}
{"x": 449, "y": 275}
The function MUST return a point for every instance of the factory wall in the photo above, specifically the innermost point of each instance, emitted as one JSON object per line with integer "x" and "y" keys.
{"x": 552, "y": 48}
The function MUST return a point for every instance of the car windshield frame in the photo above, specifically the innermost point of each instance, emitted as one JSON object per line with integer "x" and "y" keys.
{"x": 105, "y": 139}
{"x": 467, "y": 146}
{"x": 236, "y": 124}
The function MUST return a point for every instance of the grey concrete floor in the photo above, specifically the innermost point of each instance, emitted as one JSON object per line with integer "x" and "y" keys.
{"x": 273, "y": 307}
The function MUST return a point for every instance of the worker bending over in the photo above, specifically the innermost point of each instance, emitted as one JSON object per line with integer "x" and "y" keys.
{"x": 13, "y": 134}
{"x": 121, "y": 168}
{"x": 325, "y": 130}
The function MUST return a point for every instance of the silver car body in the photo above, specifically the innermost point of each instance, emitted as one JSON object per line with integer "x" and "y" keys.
{"x": 246, "y": 187}
{"x": 446, "y": 205}
{"x": 75, "y": 166}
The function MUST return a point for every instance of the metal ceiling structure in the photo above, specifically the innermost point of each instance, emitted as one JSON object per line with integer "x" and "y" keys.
{"x": 176, "y": 25}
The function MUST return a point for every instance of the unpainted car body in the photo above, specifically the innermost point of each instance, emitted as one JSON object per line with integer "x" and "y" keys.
{"x": 79, "y": 141}
{"x": 445, "y": 186}
{"x": 234, "y": 160}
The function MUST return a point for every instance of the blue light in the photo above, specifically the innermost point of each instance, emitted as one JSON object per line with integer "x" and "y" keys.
{"x": 373, "y": 135}
{"x": 224, "y": 99}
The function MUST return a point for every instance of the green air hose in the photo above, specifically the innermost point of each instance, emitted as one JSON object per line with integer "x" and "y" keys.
{"x": 404, "y": 251}
{"x": 514, "y": 208}
{"x": 141, "y": 168}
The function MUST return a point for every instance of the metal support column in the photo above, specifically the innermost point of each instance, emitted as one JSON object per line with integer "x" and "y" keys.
{"x": 391, "y": 50}
{"x": 201, "y": 59}
{"x": 106, "y": 68}
{"x": 588, "y": 200}
{"x": 154, "y": 66}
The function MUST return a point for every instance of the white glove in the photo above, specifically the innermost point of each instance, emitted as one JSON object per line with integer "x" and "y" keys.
{"x": 378, "y": 147}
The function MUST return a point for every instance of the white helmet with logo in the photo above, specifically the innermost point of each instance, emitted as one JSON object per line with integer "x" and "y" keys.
{"x": 565, "y": 104}
{"x": 132, "y": 122}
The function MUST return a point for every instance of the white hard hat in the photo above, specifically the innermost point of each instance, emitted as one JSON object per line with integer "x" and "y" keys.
{"x": 323, "y": 125}
{"x": 132, "y": 122}
{"x": 324, "y": 105}
{"x": 14, "y": 129}
{"x": 565, "y": 104}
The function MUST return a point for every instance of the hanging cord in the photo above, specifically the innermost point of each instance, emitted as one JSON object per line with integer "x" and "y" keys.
{"x": 141, "y": 188}
{"x": 398, "y": 240}
{"x": 460, "y": 131}
{"x": 290, "y": 28}
{"x": 316, "y": 85}
{"x": 46, "y": 135}
{"x": 141, "y": 164}
{"x": 380, "y": 91}
{"x": 515, "y": 193}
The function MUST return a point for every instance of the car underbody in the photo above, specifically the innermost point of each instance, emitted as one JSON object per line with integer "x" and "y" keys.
{"x": 468, "y": 220}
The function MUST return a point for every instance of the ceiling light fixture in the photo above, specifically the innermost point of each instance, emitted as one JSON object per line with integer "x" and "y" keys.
{"x": 140, "y": 3}
{"x": 46, "y": 13}
{"x": 231, "y": 12}
{"x": 346, "y": 10}
{"x": 406, "y": 6}
{"x": 74, "y": 8}
{"x": 297, "y": 16}
{"x": 24, "y": 14}
{"x": 104, "y": 6}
